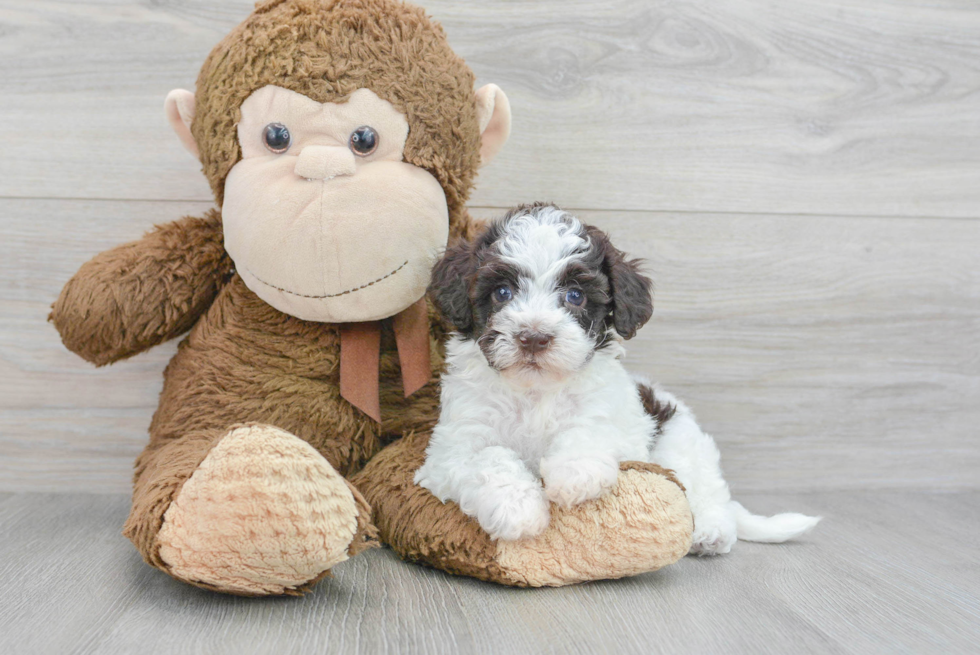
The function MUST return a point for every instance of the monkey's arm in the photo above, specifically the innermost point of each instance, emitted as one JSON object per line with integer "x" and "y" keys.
{"x": 140, "y": 294}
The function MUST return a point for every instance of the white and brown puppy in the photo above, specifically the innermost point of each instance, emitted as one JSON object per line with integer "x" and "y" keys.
{"x": 536, "y": 404}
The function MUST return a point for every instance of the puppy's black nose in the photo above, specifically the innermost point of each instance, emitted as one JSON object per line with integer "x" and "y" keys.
{"x": 533, "y": 342}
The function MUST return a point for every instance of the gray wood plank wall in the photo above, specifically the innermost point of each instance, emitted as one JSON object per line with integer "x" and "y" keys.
{"x": 803, "y": 178}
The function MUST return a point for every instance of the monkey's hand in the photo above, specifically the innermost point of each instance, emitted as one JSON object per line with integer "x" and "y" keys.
{"x": 135, "y": 296}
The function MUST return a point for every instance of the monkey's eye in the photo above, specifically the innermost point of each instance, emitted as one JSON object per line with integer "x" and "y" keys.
{"x": 276, "y": 138}
{"x": 364, "y": 141}
{"x": 502, "y": 294}
{"x": 575, "y": 297}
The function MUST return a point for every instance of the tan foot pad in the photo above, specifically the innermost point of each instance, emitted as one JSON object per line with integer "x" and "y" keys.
{"x": 642, "y": 525}
{"x": 264, "y": 513}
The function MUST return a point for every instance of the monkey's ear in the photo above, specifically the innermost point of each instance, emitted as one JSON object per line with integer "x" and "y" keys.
{"x": 450, "y": 286}
{"x": 180, "y": 107}
{"x": 493, "y": 112}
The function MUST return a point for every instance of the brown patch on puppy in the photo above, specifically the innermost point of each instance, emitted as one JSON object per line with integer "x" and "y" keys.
{"x": 659, "y": 410}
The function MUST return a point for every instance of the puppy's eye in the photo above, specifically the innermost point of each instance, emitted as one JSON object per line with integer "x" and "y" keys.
{"x": 575, "y": 297}
{"x": 364, "y": 141}
{"x": 276, "y": 137}
{"x": 502, "y": 294}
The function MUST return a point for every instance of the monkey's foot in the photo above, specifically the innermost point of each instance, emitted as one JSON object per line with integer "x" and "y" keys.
{"x": 263, "y": 514}
{"x": 642, "y": 524}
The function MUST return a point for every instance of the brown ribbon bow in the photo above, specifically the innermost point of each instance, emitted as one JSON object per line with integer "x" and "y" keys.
{"x": 360, "y": 358}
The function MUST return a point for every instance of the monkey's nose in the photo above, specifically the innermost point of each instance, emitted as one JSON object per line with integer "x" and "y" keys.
{"x": 533, "y": 342}
{"x": 325, "y": 162}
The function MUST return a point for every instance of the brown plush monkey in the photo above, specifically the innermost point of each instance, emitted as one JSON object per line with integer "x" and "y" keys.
{"x": 341, "y": 139}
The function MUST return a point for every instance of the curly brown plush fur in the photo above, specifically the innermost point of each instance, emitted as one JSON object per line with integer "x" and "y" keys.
{"x": 119, "y": 304}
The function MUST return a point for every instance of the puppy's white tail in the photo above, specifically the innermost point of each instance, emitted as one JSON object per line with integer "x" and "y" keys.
{"x": 771, "y": 529}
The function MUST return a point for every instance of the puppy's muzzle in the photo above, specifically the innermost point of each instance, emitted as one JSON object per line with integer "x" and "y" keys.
{"x": 533, "y": 342}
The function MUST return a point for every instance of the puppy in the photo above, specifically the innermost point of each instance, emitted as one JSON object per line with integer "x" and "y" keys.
{"x": 537, "y": 407}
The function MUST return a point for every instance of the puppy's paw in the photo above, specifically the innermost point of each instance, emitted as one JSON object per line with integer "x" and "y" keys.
{"x": 715, "y": 532}
{"x": 572, "y": 481}
{"x": 516, "y": 514}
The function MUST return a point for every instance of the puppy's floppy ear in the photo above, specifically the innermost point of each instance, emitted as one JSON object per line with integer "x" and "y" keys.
{"x": 632, "y": 292}
{"x": 450, "y": 285}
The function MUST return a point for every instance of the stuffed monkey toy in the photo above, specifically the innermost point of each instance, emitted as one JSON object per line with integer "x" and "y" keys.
{"x": 341, "y": 139}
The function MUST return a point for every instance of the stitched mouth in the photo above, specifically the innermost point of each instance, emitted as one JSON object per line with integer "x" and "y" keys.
{"x": 329, "y": 295}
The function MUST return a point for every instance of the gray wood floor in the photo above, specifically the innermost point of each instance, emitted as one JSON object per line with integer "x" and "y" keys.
{"x": 887, "y": 572}
{"x": 804, "y": 180}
